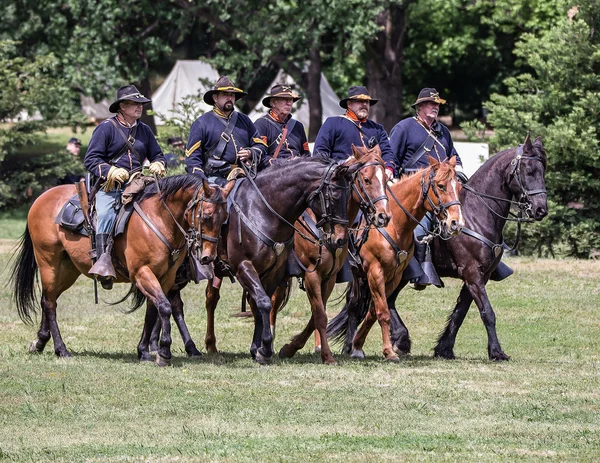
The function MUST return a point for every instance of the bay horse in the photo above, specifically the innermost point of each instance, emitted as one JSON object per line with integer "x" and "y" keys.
{"x": 385, "y": 252}
{"x": 368, "y": 195}
{"x": 516, "y": 173}
{"x": 260, "y": 232}
{"x": 141, "y": 256}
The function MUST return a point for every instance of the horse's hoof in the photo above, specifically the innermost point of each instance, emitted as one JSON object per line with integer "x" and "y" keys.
{"x": 501, "y": 357}
{"x": 286, "y": 352}
{"x": 163, "y": 361}
{"x": 261, "y": 359}
{"x": 65, "y": 354}
{"x": 145, "y": 357}
{"x": 358, "y": 354}
{"x": 444, "y": 354}
{"x": 33, "y": 349}
{"x": 329, "y": 361}
{"x": 193, "y": 352}
{"x": 401, "y": 352}
{"x": 392, "y": 358}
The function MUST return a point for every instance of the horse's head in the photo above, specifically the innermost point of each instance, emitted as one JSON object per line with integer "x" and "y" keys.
{"x": 526, "y": 179}
{"x": 205, "y": 214}
{"x": 368, "y": 185}
{"x": 441, "y": 188}
{"x": 329, "y": 202}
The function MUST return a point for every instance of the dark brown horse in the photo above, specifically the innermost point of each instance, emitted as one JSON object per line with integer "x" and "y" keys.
{"x": 514, "y": 177}
{"x": 387, "y": 251}
{"x": 368, "y": 195}
{"x": 260, "y": 233}
{"x": 61, "y": 256}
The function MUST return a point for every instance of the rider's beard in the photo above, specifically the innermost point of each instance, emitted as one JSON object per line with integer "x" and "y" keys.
{"x": 362, "y": 113}
{"x": 228, "y": 106}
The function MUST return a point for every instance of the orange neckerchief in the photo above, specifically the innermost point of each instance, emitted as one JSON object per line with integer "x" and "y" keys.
{"x": 352, "y": 115}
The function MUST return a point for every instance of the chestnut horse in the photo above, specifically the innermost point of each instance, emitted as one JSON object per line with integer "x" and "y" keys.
{"x": 178, "y": 204}
{"x": 321, "y": 264}
{"x": 386, "y": 252}
{"x": 474, "y": 255}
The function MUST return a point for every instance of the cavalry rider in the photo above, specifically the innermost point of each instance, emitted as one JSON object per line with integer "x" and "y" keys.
{"x": 221, "y": 138}
{"x": 412, "y": 139}
{"x": 339, "y": 133}
{"x": 118, "y": 148}
{"x": 285, "y": 136}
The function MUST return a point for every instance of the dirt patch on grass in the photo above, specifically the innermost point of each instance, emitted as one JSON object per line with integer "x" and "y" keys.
{"x": 8, "y": 246}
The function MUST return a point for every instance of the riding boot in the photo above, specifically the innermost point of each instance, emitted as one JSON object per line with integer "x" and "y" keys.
{"x": 430, "y": 276}
{"x": 103, "y": 268}
{"x": 501, "y": 272}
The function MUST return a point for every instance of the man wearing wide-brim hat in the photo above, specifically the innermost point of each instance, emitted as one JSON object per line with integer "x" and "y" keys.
{"x": 222, "y": 138}
{"x": 285, "y": 136}
{"x": 412, "y": 139}
{"x": 118, "y": 148}
{"x": 339, "y": 133}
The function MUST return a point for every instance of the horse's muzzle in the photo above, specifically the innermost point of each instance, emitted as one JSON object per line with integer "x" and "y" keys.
{"x": 382, "y": 219}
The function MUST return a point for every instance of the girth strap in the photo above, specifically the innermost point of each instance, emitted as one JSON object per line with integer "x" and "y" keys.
{"x": 496, "y": 248}
{"x": 174, "y": 253}
{"x": 400, "y": 254}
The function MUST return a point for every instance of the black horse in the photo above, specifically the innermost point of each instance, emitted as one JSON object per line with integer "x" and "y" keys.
{"x": 474, "y": 255}
{"x": 259, "y": 237}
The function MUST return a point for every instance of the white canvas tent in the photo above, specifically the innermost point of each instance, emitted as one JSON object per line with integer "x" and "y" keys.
{"x": 95, "y": 112}
{"x": 187, "y": 78}
{"x": 329, "y": 100}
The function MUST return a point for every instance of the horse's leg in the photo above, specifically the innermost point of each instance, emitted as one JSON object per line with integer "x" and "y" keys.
{"x": 250, "y": 280}
{"x": 149, "y": 285}
{"x": 56, "y": 276}
{"x": 377, "y": 284}
{"x": 150, "y": 333}
{"x": 360, "y": 337}
{"x": 176, "y": 302}
{"x": 298, "y": 341}
{"x": 446, "y": 341}
{"x": 479, "y": 293}
{"x": 213, "y": 294}
{"x": 278, "y": 302}
{"x": 399, "y": 332}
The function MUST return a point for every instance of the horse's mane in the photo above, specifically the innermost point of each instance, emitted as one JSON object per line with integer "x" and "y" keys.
{"x": 444, "y": 173}
{"x": 538, "y": 152}
{"x": 171, "y": 185}
{"x": 283, "y": 163}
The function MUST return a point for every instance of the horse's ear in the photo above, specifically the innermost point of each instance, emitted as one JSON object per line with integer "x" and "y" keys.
{"x": 538, "y": 141}
{"x": 527, "y": 146}
{"x": 208, "y": 191}
{"x": 228, "y": 187}
{"x": 433, "y": 162}
{"x": 452, "y": 161}
{"x": 356, "y": 152}
{"x": 376, "y": 150}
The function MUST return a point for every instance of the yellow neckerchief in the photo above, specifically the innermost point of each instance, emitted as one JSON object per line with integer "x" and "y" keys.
{"x": 220, "y": 113}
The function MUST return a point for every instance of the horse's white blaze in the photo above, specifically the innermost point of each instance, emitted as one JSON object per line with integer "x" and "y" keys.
{"x": 381, "y": 176}
{"x": 454, "y": 184}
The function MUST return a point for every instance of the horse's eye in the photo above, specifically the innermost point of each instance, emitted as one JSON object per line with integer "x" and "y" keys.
{"x": 530, "y": 173}
{"x": 368, "y": 181}
{"x": 205, "y": 217}
{"x": 441, "y": 186}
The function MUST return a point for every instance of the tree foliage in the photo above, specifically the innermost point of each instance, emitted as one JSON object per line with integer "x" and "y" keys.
{"x": 559, "y": 99}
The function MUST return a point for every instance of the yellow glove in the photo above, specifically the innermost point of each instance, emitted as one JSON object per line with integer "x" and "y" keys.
{"x": 158, "y": 168}
{"x": 115, "y": 174}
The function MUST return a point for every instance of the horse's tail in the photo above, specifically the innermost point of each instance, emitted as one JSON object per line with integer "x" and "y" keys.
{"x": 24, "y": 277}
{"x": 137, "y": 299}
{"x": 358, "y": 301}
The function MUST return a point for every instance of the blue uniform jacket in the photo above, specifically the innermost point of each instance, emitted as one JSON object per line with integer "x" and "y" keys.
{"x": 338, "y": 134}
{"x": 106, "y": 144}
{"x": 205, "y": 135}
{"x": 270, "y": 129}
{"x": 408, "y": 136}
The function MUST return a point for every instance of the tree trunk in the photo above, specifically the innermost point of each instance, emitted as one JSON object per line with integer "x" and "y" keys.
{"x": 144, "y": 88}
{"x": 313, "y": 90}
{"x": 384, "y": 66}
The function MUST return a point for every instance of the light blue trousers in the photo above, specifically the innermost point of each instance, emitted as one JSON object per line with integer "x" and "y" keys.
{"x": 106, "y": 203}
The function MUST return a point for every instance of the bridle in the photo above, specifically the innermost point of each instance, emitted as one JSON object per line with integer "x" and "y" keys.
{"x": 325, "y": 193}
{"x": 195, "y": 207}
{"x": 366, "y": 203}
{"x": 439, "y": 210}
{"x": 524, "y": 203}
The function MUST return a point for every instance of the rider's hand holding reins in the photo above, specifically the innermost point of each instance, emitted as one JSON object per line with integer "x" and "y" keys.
{"x": 157, "y": 168}
{"x": 115, "y": 174}
{"x": 244, "y": 154}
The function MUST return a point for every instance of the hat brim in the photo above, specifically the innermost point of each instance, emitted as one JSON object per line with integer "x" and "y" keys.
{"x": 114, "y": 107}
{"x": 344, "y": 102}
{"x": 208, "y": 95}
{"x": 267, "y": 100}
{"x": 423, "y": 100}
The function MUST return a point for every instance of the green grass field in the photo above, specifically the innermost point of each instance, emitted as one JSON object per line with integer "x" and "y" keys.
{"x": 104, "y": 406}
